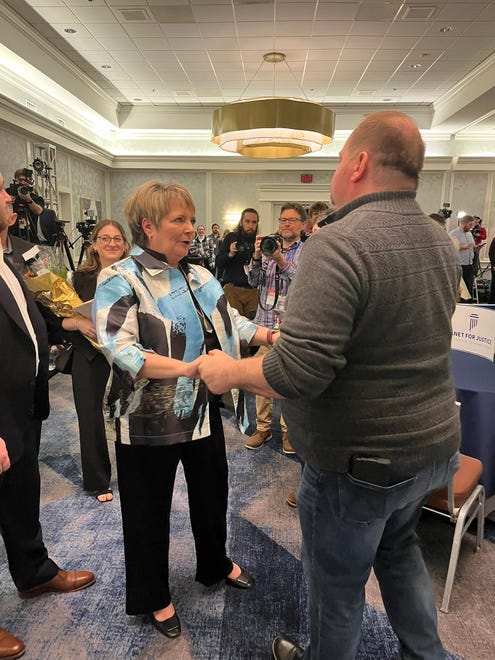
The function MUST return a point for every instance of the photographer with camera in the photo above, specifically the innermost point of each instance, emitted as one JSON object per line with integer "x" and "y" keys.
{"x": 28, "y": 206}
{"x": 271, "y": 269}
{"x": 232, "y": 260}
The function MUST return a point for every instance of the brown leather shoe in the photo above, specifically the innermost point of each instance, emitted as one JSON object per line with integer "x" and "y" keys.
{"x": 291, "y": 499}
{"x": 63, "y": 582}
{"x": 257, "y": 439}
{"x": 286, "y": 446}
{"x": 10, "y": 646}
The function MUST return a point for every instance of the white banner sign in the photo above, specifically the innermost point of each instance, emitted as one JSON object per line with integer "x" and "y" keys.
{"x": 473, "y": 330}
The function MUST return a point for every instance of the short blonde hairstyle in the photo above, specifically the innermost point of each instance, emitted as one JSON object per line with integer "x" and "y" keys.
{"x": 153, "y": 200}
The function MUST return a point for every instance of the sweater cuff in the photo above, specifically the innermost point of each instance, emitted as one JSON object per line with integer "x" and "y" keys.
{"x": 275, "y": 376}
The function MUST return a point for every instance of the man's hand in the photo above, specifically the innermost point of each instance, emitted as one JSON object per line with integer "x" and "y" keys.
{"x": 217, "y": 369}
{"x": 31, "y": 204}
{"x": 4, "y": 456}
{"x": 233, "y": 249}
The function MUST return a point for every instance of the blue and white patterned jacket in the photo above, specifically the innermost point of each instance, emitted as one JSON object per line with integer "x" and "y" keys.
{"x": 142, "y": 304}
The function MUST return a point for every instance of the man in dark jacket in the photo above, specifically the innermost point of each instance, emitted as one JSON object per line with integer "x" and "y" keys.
{"x": 233, "y": 257}
{"x": 23, "y": 406}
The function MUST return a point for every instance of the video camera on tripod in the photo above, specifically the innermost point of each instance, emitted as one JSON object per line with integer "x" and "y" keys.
{"x": 85, "y": 227}
{"x": 445, "y": 211}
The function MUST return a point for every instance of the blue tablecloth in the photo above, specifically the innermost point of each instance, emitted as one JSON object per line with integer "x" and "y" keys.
{"x": 474, "y": 379}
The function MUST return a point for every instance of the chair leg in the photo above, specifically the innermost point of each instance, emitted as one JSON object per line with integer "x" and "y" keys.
{"x": 466, "y": 512}
{"x": 480, "y": 530}
{"x": 454, "y": 556}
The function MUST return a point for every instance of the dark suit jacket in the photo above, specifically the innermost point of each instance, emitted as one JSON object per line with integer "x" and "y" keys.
{"x": 23, "y": 394}
{"x": 19, "y": 246}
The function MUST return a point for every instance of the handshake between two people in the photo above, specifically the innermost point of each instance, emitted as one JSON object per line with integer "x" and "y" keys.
{"x": 217, "y": 369}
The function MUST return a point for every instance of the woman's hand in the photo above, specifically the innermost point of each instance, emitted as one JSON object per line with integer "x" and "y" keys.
{"x": 87, "y": 328}
{"x": 191, "y": 368}
{"x": 80, "y": 324}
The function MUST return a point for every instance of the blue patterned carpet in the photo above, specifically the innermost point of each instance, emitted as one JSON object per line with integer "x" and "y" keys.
{"x": 218, "y": 623}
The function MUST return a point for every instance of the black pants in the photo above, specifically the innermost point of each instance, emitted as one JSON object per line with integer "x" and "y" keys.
{"x": 146, "y": 477}
{"x": 491, "y": 299}
{"x": 468, "y": 277}
{"x": 89, "y": 379}
{"x": 29, "y": 563}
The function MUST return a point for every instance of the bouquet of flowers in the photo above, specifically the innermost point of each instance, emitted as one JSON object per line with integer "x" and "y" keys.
{"x": 44, "y": 280}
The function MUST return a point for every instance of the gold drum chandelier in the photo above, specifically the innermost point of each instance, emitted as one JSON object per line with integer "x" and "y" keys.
{"x": 272, "y": 127}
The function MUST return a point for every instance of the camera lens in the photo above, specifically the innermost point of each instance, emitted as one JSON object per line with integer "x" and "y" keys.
{"x": 24, "y": 190}
{"x": 268, "y": 246}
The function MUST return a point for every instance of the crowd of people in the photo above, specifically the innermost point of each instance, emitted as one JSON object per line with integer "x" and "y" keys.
{"x": 174, "y": 317}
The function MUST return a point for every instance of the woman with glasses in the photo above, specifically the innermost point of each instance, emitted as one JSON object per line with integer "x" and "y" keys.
{"x": 90, "y": 369}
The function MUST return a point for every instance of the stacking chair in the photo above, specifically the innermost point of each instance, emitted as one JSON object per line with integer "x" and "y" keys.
{"x": 462, "y": 500}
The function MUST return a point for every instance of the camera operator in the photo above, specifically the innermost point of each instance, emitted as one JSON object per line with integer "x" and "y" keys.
{"x": 233, "y": 257}
{"x": 28, "y": 206}
{"x": 271, "y": 269}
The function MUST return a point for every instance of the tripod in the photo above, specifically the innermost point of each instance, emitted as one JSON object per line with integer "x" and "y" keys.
{"x": 25, "y": 226}
{"x": 63, "y": 244}
{"x": 85, "y": 244}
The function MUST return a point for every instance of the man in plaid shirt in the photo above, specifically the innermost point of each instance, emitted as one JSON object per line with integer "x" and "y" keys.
{"x": 272, "y": 275}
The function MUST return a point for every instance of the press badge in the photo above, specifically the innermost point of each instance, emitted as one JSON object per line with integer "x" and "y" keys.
{"x": 270, "y": 298}
{"x": 280, "y": 306}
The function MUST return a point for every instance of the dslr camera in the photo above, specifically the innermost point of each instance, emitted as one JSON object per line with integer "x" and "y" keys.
{"x": 270, "y": 244}
{"x": 245, "y": 247}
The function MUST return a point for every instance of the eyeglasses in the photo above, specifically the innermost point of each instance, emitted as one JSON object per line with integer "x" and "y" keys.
{"x": 108, "y": 239}
{"x": 292, "y": 221}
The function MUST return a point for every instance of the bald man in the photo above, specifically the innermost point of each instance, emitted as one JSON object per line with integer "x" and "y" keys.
{"x": 363, "y": 357}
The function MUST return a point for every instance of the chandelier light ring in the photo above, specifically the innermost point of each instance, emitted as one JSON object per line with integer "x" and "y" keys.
{"x": 273, "y": 127}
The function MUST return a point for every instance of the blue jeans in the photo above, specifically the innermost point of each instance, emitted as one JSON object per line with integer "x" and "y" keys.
{"x": 350, "y": 526}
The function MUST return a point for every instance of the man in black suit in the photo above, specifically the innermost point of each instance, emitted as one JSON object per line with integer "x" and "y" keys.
{"x": 23, "y": 405}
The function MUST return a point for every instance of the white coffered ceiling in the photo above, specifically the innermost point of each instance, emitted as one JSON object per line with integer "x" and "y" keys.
{"x": 163, "y": 65}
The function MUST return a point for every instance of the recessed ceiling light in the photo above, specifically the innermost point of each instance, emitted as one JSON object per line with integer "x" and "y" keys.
{"x": 106, "y": 66}
{"x": 70, "y": 30}
{"x": 447, "y": 28}
{"x": 416, "y": 66}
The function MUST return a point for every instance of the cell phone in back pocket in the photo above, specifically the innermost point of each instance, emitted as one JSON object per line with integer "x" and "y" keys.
{"x": 372, "y": 469}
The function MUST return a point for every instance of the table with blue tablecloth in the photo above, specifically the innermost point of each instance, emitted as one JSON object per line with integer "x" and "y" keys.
{"x": 474, "y": 379}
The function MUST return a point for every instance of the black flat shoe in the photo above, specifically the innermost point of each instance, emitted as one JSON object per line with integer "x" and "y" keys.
{"x": 170, "y": 627}
{"x": 242, "y": 581}
{"x": 285, "y": 649}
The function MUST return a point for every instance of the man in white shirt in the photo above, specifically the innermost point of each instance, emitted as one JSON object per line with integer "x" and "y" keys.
{"x": 23, "y": 406}
{"x": 467, "y": 248}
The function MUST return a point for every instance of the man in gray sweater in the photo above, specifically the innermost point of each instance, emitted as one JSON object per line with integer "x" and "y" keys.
{"x": 363, "y": 356}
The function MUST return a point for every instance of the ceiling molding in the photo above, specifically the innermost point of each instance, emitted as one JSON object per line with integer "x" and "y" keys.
{"x": 20, "y": 37}
{"x": 23, "y": 120}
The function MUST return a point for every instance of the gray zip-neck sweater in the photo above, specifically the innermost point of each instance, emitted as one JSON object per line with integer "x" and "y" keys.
{"x": 364, "y": 353}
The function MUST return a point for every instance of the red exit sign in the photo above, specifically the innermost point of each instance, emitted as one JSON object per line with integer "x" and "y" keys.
{"x": 306, "y": 178}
